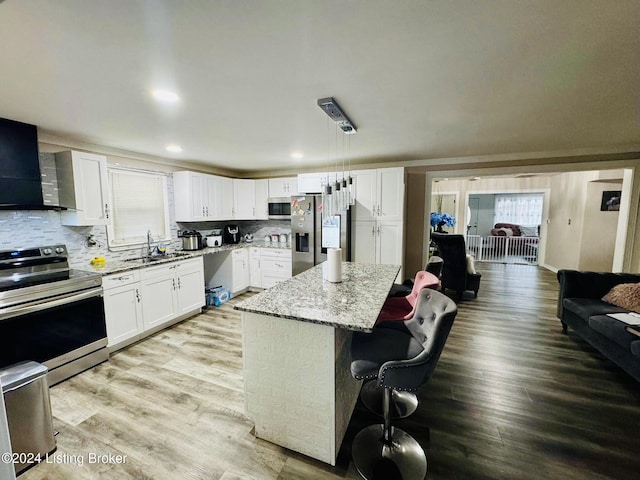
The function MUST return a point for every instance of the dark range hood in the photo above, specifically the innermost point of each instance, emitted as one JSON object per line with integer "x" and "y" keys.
{"x": 20, "y": 179}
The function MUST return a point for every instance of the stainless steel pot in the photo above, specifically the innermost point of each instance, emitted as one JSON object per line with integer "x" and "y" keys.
{"x": 191, "y": 240}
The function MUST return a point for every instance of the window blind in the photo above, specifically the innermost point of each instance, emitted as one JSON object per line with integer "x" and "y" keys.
{"x": 139, "y": 204}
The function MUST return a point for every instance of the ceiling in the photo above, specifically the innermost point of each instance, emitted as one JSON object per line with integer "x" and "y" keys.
{"x": 419, "y": 79}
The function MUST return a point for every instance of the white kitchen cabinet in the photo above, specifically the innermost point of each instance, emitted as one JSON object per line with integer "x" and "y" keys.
{"x": 221, "y": 198}
{"x": 158, "y": 285}
{"x": 189, "y": 285}
{"x": 262, "y": 199}
{"x": 83, "y": 188}
{"x": 379, "y": 194}
{"x": 283, "y": 187}
{"x": 140, "y": 302}
{"x": 378, "y": 242}
{"x": 201, "y": 197}
{"x": 122, "y": 308}
{"x": 255, "y": 268}
{"x": 244, "y": 199}
{"x": 275, "y": 265}
{"x": 311, "y": 182}
{"x": 241, "y": 273}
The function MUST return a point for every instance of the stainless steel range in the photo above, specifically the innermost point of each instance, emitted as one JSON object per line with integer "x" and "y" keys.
{"x": 50, "y": 313}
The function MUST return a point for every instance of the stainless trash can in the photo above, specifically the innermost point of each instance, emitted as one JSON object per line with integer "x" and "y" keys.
{"x": 26, "y": 397}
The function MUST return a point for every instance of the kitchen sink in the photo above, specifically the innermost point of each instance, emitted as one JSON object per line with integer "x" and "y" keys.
{"x": 156, "y": 258}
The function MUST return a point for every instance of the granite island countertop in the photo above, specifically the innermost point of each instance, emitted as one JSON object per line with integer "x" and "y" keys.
{"x": 353, "y": 304}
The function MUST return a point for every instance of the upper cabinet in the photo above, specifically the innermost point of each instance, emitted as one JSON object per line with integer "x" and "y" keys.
{"x": 83, "y": 188}
{"x": 262, "y": 198}
{"x": 311, "y": 182}
{"x": 379, "y": 194}
{"x": 200, "y": 197}
{"x": 283, "y": 187}
{"x": 244, "y": 199}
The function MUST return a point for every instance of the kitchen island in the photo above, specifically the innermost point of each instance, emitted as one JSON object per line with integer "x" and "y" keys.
{"x": 295, "y": 341}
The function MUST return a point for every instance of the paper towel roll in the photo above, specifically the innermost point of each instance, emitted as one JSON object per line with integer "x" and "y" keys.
{"x": 334, "y": 264}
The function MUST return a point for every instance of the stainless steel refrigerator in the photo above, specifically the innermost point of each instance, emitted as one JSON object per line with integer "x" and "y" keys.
{"x": 311, "y": 236}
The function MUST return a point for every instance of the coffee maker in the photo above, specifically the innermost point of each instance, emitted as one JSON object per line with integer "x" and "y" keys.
{"x": 231, "y": 234}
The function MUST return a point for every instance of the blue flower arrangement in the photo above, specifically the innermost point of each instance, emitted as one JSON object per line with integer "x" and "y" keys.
{"x": 439, "y": 220}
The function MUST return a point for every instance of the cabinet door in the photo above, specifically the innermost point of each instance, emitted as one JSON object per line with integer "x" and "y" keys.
{"x": 83, "y": 187}
{"x": 243, "y": 199}
{"x": 390, "y": 194}
{"x": 283, "y": 187}
{"x": 366, "y": 195}
{"x": 123, "y": 313}
{"x": 223, "y": 198}
{"x": 261, "y": 199}
{"x": 363, "y": 242}
{"x": 311, "y": 182}
{"x": 190, "y": 194}
{"x": 255, "y": 269}
{"x": 190, "y": 286}
{"x": 240, "y": 259}
{"x": 389, "y": 243}
{"x": 158, "y": 295}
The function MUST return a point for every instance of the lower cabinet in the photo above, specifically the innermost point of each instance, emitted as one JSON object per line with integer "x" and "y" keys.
{"x": 275, "y": 266}
{"x": 122, "y": 307}
{"x": 378, "y": 242}
{"x": 139, "y": 302}
{"x": 255, "y": 267}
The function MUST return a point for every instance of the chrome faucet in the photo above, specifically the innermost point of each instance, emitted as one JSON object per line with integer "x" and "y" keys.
{"x": 149, "y": 241}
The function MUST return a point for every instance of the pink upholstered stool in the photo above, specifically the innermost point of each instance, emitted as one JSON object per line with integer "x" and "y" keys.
{"x": 403, "y": 308}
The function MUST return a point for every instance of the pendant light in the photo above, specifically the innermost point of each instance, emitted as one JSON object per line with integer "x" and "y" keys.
{"x": 339, "y": 195}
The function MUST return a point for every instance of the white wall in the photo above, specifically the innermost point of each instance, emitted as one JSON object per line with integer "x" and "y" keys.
{"x": 598, "y": 230}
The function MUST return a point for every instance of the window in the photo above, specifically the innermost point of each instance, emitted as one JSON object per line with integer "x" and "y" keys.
{"x": 139, "y": 204}
{"x": 518, "y": 208}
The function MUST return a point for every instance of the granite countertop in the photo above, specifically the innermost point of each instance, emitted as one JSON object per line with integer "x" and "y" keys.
{"x": 353, "y": 304}
{"x": 116, "y": 266}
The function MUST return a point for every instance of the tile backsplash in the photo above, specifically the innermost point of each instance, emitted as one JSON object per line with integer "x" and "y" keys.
{"x": 31, "y": 228}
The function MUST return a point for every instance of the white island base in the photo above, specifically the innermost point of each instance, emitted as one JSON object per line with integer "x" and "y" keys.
{"x": 298, "y": 387}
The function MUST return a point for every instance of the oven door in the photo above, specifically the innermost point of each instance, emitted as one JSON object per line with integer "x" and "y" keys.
{"x": 54, "y": 331}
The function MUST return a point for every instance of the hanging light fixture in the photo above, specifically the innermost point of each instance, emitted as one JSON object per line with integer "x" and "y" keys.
{"x": 339, "y": 195}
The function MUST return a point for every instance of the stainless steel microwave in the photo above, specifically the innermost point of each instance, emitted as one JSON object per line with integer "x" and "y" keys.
{"x": 280, "y": 208}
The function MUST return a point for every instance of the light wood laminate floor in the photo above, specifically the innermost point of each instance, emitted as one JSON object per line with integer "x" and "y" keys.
{"x": 512, "y": 398}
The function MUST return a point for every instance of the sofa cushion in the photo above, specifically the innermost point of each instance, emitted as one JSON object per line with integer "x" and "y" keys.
{"x": 625, "y": 295}
{"x": 587, "y": 307}
{"x": 613, "y": 329}
{"x": 635, "y": 348}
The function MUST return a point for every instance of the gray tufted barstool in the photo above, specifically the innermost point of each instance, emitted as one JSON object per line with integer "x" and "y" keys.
{"x": 401, "y": 361}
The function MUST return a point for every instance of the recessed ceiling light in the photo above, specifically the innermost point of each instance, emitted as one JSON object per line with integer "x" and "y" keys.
{"x": 174, "y": 148}
{"x": 297, "y": 155}
{"x": 165, "y": 96}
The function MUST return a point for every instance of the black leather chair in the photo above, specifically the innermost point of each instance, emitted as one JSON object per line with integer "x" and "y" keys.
{"x": 453, "y": 250}
{"x": 400, "y": 361}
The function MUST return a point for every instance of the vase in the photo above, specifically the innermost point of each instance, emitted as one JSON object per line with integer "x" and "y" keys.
{"x": 439, "y": 227}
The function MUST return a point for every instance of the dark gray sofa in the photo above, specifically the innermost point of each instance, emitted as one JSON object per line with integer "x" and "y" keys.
{"x": 581, "y": 308}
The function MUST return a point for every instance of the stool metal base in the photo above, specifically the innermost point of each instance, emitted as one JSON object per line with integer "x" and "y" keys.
{"x": 402, "y": 405}
{"x": 375, "y": 459}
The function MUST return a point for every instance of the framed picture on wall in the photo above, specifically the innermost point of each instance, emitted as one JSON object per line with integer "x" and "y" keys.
{"x": 610, "y": 201}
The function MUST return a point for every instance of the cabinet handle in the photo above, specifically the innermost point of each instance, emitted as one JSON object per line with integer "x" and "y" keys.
{"x": 378, "y": 231}
{"x": 173, "y": 282}
{"x": 106, "y": 210}
{"x": 137, "y": 295}
{"x": 207, "y": 209}
{"x": 373, "y": 229}
{"x": 179, "y": 284}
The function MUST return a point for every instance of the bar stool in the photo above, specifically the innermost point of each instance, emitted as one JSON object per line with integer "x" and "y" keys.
{"x": 404, "y": 362}
{"x": 395, "y": 311}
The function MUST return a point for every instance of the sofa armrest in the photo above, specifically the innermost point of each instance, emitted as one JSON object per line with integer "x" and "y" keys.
{"x": 580, "y": 284}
